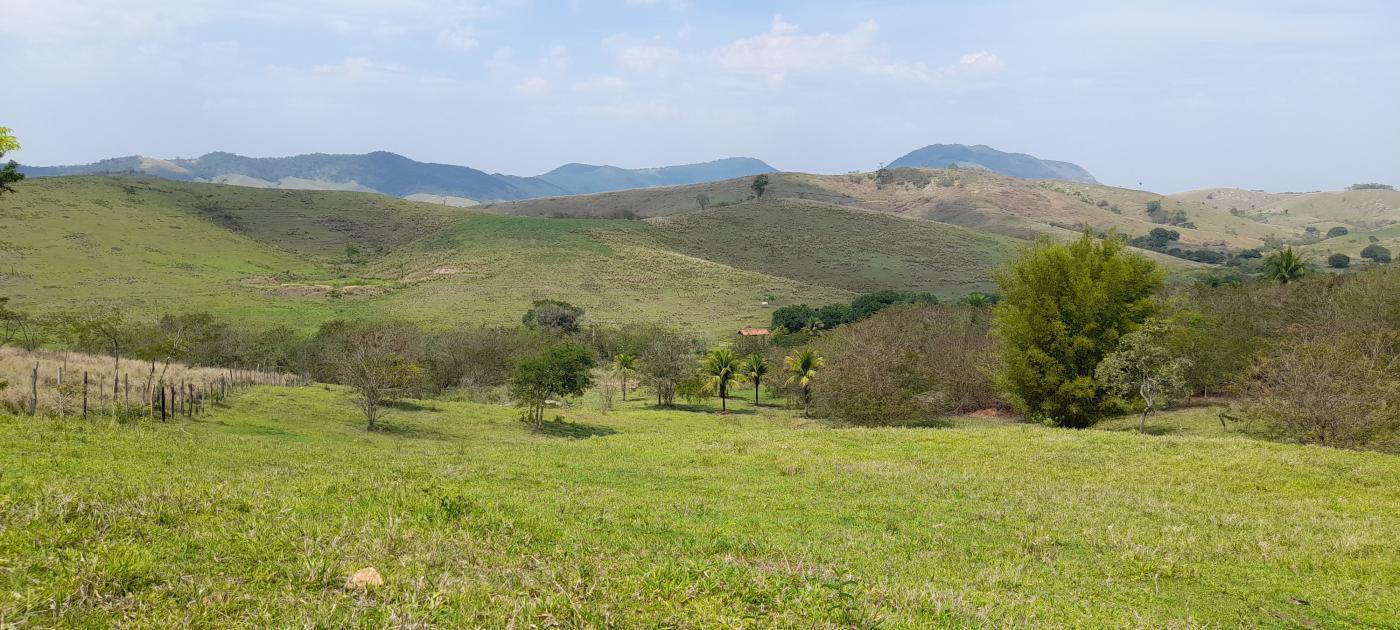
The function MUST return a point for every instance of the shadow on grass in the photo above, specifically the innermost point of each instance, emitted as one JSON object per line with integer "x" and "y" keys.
{"x": 571, "y": 430}
{"x": 409, "y": 405}
{"x": 697, "y": 408}
{"x": 389, "y": 427}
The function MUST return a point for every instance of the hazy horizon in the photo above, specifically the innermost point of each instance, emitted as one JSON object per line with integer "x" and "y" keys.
{"x": 1278, "y": 96}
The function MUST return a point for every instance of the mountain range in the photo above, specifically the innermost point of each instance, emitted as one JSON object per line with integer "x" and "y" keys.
{"x": 398, "y": 176}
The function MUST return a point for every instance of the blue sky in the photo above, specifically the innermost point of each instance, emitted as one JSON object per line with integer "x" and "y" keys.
{"x": 1176, "y": 95}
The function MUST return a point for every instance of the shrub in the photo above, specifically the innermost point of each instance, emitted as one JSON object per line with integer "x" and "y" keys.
{"x": 1063, "y": 307}
{"x": 1337, "y": 231}
{"x": 553, "y": 315}
{"x": 1333, "y": 390}
{"x": 1339, "y": 261}
{"x": 906, "y": 364}
{"x": 1376, "y": 252}
{"x": 558, "y": 372}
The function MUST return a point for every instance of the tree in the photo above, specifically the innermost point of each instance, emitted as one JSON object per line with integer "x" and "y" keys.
{"x": 1063, "y": 307}
{"x": 1143, "y": 366}
{"x": 801, "y": 368}
{"x": 9, "y": 174}
{"x": 553, "y": 315}
{"x": 1284, "y": 266}
{"x": 703, "y": 201}
{"x": 754, "y": 368}
{"x": 1337, "y": 231}
{"x": 624, "y": 366}
{"x": 793, "y": 317}
{"x": 721, "y": 369}
{"x": 102, "y": 327}
{"x": 373, "y": 362}
{"x": 1376, "y": 252}
{"x": 558, "y": 372}
{"x": 665, "y": 361}
{"x": 759, "y": 185}
{"x": 1339, "y": 261}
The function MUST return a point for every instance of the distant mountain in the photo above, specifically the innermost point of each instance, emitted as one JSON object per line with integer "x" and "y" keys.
{"x": 398, "y": 176}
{"x": 982, "y": 156}
{"x": 587, "y": 178}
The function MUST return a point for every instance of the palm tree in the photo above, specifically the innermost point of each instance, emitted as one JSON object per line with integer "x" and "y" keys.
{"x": 801, "y": 368}
{"x": 624, "y": 365}
{"x": 722, "y": 366}
{"x": 1285, "y": 266}
{"x": 755, "y": 367}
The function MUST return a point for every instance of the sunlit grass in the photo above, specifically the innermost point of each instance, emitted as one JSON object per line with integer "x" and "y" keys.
{"x": 256, "y": 513}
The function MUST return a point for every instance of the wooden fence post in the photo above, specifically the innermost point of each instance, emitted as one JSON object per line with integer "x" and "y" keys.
{"x": 34, "y": 390}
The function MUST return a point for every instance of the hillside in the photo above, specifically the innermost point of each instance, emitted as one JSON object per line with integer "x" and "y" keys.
{"x": 853, "y": 249}
{"x": 303, "y": 257}
{"x": 255, "y": 514}
{"x": 975, "y": 199}
{"x": 398, "y": 176}
{"x": 1369, "y": 209}
{"x": 981, "y": 156}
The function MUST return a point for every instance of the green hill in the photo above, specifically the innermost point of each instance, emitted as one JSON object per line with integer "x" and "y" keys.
{"x": 302, "y": 257}
{"x": 853, "y": 249}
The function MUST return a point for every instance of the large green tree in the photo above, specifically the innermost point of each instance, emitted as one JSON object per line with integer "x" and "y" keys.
{"x": 1063, "y": 307}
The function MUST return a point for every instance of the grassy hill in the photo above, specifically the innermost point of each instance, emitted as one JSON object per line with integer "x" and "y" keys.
{"x": 303, "y": 257}
{"x": 975, "y": 199}
{"x": 854, "y": 249}
{"x": 255, "y": 514}
{"x": 1369, "y": 209}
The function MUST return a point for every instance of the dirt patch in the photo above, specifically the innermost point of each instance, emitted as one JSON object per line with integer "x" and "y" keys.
{"x": 312, "y": 291}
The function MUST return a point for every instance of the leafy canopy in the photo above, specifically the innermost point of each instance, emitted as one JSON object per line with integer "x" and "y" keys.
{"x": 1063, "y": 307}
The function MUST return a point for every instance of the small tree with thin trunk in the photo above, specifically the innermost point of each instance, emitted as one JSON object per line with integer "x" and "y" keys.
{"x": 721, "y": 369}
{"x": 372, "y": 361}
{"x": 9, "y": 173}
{"x": 703, "y": 201}
{"x": 759, "y": 186}
{"x": 624, "y": 366}
{"x": 1143, "y": 367}
{"x": 556, "y": 373}
{"x": 801, "y": 368}
{"x": 754, "y": 368}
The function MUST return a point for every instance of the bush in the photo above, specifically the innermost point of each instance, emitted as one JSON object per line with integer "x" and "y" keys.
{"x": 553, "y": 315}
{"x": 556, "y": 373}
{"x": 906, "y": 364}
{"x": 1337, "y": 231}
{"x": 1376, "y": 252}
{"x": 1339, "y": 261}
{"x": 1332, "y": 390}
{"x": 1063, "y": 307}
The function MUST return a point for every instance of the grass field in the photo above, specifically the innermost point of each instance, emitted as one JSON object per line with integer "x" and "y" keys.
{"x": 255, "y": 514}
{"x": 300, "y": 258}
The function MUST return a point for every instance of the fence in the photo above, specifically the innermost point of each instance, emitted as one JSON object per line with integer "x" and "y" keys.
{"x": 70, "y": 384}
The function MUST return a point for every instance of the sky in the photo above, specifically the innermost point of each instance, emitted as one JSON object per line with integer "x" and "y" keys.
{"x": 1167, "y": 96}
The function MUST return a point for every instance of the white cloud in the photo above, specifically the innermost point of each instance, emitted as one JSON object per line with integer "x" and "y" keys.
{"x": 648, "y": 58}
{"x": 601, "y": 84}
{"x": 785, "y": 51}
{"x": 533, "y": 86}
{"x": 456, "y": 40}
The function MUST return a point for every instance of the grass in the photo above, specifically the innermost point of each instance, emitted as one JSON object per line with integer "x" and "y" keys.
{"x": 256, "y": 513}
{"x": 272, "y": 257}
{"x": 857, "y": 250}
